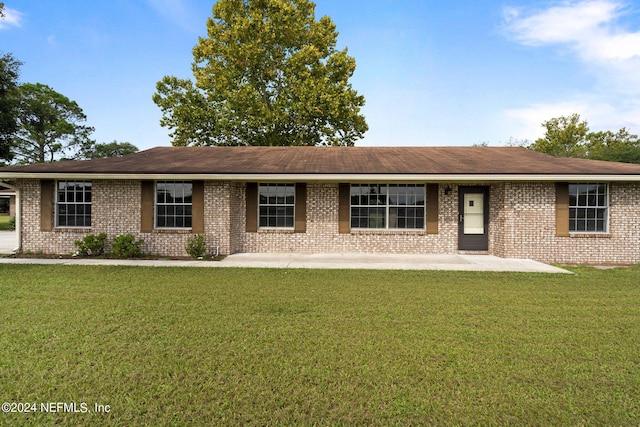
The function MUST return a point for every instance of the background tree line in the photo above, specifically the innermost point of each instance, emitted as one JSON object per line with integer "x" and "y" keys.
{"x": 569, "y": 136}
{"x": 38, "y": 124}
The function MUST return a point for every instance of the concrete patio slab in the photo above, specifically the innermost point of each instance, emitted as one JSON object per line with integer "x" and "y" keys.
{"x": 451, "y": 262}
{"x": 392, "y": 262}
{"x": 8, "y": 242}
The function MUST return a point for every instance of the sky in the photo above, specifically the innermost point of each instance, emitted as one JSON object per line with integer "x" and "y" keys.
{"x": 433, "y": 72}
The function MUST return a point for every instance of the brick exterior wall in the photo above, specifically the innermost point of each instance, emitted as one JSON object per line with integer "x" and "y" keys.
{"x": 525, "y": 227}
{"x": 522, "y": 224}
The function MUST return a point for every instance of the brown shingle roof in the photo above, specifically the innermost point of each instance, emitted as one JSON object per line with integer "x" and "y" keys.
{"x": 332, "y": 160}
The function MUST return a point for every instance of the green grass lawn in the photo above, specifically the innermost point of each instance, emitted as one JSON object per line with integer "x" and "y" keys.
{"x": 189, "y": 346}
{"x": 4, "y": 222}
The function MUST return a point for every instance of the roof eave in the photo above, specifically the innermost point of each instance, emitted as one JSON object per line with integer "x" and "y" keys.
{"x": 306, "y": 177}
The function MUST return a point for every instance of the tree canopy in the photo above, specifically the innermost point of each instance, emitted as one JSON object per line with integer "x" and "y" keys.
{"x": 49, "y": 126}
{"x": 107, "y": 149}
{"x": 569, "y": 136}
{"x": 9, "y": 99}
{"x": 268, "y": 73}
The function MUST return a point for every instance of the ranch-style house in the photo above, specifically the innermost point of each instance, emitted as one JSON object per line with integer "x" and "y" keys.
{"x": 504, "y": 201}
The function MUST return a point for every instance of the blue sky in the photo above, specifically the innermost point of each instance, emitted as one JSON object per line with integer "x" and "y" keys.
{"x": 458, "y": 72}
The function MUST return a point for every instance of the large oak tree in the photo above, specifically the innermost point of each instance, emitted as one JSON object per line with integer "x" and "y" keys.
{"x": 268, "y": 73}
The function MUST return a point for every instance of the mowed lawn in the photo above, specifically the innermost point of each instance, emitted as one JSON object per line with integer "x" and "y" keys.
{"x": 5, "y": 222}
{"x": 189, "y": 346}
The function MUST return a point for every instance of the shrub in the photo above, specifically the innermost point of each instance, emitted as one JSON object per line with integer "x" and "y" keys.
{"x": 126, "y": 246}
{"x": 196, "y": 246}
{"x": 12, "y": 223}
{"x": 92, "y": 244}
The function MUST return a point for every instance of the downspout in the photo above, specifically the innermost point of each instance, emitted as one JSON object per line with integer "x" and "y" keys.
{"x": 18, "y": 248}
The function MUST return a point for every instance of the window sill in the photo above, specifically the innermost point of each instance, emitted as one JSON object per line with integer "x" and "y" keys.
{"x": 276, "y": 230}
{"x": 71, "y": 229}
{"x": 591, "y": 235}
{"x": 370, "y": 231}
{"x": 172, "y": 231}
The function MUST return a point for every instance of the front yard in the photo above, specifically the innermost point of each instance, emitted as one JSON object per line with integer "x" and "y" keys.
{"x": 180, "y": 346}
{"x": 5, "y": 222}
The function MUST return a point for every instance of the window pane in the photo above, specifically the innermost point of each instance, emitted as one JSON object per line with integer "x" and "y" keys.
{"x": 276, "y": 205}
{"x": 394, "y": 197}
{"x": 160, "y": 192}
{"x": 174, "y": 204}
{"x": 377, "y": 218}
{"x": 355, "y": 195}
{"x": 73, "y": 204}
{"x": 393, "y": 194}
{"x": 588, "y": 207}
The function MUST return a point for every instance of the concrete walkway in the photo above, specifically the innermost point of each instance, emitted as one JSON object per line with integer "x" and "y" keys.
{"x": 8, "y": 241}
{"x": 332, "y": 261}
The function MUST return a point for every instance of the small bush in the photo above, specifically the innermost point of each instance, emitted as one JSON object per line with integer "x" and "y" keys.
{"x": 196, "y": 247}
{"x": 126, "y": 246}
{"x": 92, "y": 244}
{"x": 12, "y": 223}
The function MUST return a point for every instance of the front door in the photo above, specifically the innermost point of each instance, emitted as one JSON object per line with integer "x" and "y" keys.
{"x": 473, "y": 218}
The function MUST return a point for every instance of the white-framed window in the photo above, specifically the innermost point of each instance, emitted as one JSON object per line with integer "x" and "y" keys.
{"x": 73, "y": 204}
{"x": 174, "y": 204}
{"x": 589, "y": 208}
{"x": 388, "y": 206}
{"x": 276, "y": 205}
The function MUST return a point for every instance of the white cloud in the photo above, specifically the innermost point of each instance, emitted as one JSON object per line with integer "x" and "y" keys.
{"x": 593, "y": 31}
{"x": 590, "y": 28}
{"x": 12, "y": 18}
{"x": 526, "y": 122}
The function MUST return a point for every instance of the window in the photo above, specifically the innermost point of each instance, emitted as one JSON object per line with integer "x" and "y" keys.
{"x": 588, "y": 208}
{"x": 73, "y": 204}
{"x": 276, "y": 203}
{"x": 174, "y": 204}
{"x": 388, "y": 206}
